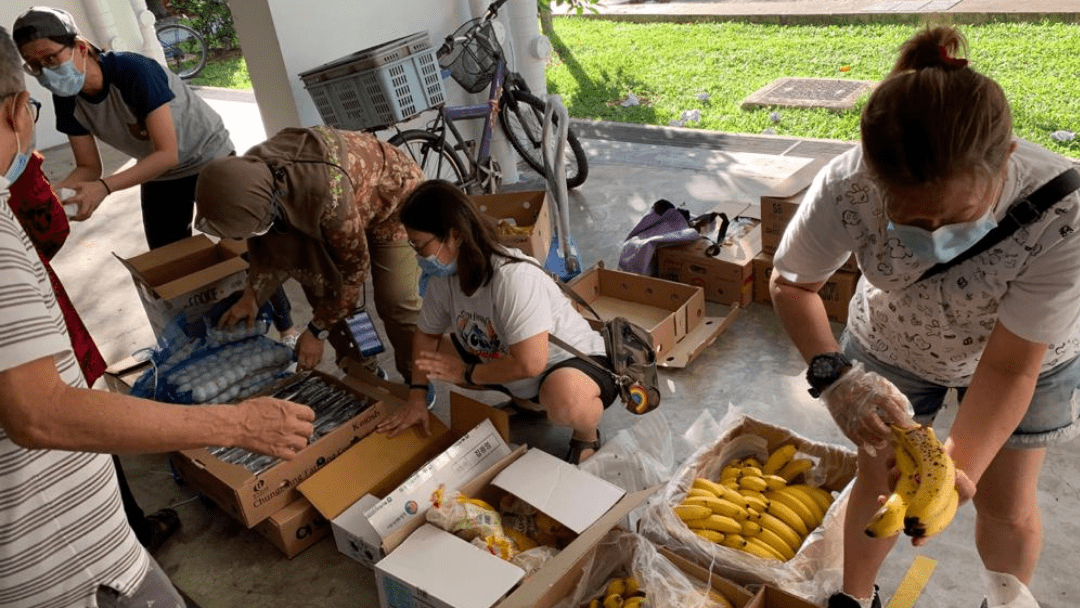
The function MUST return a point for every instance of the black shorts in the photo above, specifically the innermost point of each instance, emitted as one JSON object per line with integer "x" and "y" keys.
{"x": 609, "y": 391}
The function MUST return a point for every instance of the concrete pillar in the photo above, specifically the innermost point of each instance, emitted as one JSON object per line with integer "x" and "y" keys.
{"x": 254, "y": 23}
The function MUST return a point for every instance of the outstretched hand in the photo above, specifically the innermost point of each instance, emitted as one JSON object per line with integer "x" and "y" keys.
{"x": 274, "y": 426}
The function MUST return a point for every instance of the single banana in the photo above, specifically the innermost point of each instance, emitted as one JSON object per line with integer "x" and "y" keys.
{"x": 698, "y": 492}
{"x": 756, "y": 501}
{"x": 720, "y": 506}
{"x": 613, "y": 601}
{"x": 750, "y": 461}
{"x": 790, "y": 537}
{"x": 750, "y": 471}
{"x": 594, "y": 603}
{"x": 753, "y": 482}
{"x": 616, "y": 586}
{"x": 686, "y": 511}
{"x": 716, "y": 522}
{"x": 753, "y": 514}
{"x": 939, "y": 521}
{"x": 779, "y": 457}
{"x": 759, "y": 548}
{"x": 734, "y": 540}
{"x": 823, "y": 497}
{"x": 795, "y": 467}
{"x": 770, "y": 538}
{"x": 730, "y": 471}
{"x": 633, "y": 602}
{"x": 888, "y": 520}
{"x": 710, "y": 535}
{"x": 803, "y": 493}
{"x": 750, "y": 528}
{"x": 789, "y": 517}
{"x": 937, "y": 480}
{"x": 632, "y": 585}
{"x": 775, "y": 482}
{"x": 791, "y": 501}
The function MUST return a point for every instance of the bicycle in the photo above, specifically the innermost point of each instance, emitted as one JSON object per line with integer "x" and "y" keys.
{"x": 474, "y": 59}
{"x": 185, "y": 50}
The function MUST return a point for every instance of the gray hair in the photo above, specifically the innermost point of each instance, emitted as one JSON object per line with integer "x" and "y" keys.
{"x": 11, "y": 71}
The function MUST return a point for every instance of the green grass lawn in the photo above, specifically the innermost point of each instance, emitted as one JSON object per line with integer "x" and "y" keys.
{"x": 597, "y": 63}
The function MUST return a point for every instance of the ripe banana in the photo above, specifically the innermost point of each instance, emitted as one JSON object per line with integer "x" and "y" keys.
{"x": 753, "y": 482}
{"x": 734, "y": 540}
{"x": 823, "y": 497}
{"x": 759, "y": 548}
{"x": 616, "y": 586}
{"x": 937, "y": 482}
{"x": 803, "y": 493}
{"x": 756, "y": 501}
{"x": 633, "y": 602}
{"x": 716, "y": 522}
{"x": 888, "y": 520}
{"x": 697, "y": 492}
{"x": 720, "y": 506}
{"x": 750, "y": 528}
{"x": 795, "y": 467}
{"x": 770, "y": 538}
{"x": 790, "y": 500}
{"x": 691, "y": 511}
{"x": 789, "y": 517}
{"x": 790, "y": 537}
{"x": 710, "y": 535}
{"x": 778, "y": 458}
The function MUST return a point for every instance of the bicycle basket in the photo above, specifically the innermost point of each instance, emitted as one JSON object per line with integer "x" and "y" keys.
{"x": 471, "y": 54}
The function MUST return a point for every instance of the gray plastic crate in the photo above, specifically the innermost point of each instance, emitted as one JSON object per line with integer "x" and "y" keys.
{"x": 378, "y": 86}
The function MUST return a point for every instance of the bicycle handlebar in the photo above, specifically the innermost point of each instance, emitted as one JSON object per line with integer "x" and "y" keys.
{"x": 493, "y": 9}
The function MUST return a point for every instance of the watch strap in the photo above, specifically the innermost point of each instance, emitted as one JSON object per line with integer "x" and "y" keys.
{"x": 320, "y": 333}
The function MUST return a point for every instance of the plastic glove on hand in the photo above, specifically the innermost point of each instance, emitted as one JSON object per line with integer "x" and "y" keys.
{"x": 864, "y": 405}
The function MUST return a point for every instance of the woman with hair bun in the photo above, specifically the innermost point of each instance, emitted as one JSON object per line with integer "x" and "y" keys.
{"x": 937, "y": 170}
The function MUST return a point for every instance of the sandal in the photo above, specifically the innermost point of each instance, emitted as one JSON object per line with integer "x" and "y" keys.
{"x": 577, "y": 446}
{"x": 163, "y": 524}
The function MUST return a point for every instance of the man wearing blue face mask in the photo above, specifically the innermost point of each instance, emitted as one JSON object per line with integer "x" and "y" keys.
{"x": 936, "y": 171}
{"x": 135, "y": 105}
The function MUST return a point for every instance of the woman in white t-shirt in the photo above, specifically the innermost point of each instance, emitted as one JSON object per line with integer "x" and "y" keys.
{"x": 498, "y": 307}
{"x": 937, "y": 169}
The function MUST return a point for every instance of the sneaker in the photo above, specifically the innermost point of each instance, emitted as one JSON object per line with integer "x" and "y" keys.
{"x": 290, "y": 341}
{"x": 843, "y": 600}
{"x": 381, "y": 373}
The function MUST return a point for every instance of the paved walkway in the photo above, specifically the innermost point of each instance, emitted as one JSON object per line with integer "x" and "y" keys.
{"x": 789, "y": 11}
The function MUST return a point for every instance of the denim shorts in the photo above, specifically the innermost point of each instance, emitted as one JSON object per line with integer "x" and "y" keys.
{"x": 1052, "y": 417}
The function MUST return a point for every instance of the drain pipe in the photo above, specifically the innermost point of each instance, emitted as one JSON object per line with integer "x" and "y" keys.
{"x": 554, "y": 145}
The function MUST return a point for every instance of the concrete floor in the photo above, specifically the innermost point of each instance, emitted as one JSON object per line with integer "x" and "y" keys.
{"x": 220, "y": 564}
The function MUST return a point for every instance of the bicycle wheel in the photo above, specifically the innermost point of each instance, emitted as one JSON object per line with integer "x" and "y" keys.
{"x": 185, "y": 49}
{"x": 522, "y": 118}
{"x": 437, "y": 158}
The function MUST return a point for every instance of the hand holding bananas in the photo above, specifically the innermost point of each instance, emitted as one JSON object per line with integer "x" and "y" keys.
{"x": 864, "y": 404}
{"x": 925, "y": 498}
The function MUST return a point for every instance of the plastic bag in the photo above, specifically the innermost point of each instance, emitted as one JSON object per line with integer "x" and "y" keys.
{"x": 1006, "y": 591}
{"x": 621, "y": 554}
{"x": 816, "y": 571}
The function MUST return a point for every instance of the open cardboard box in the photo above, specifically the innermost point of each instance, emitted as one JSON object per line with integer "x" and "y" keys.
{"x": 121, "y": 375}
{"x": 380, "y": 486}
{"x": 673, "y": 313}
{"x": 187, "y": 276}
{"x": 252, "y": 498}
{"x": 530, "y": 213}
{"x": 431, "y": 563}
{"x": 726, "y": 277}
{"x": 769, "y": 596}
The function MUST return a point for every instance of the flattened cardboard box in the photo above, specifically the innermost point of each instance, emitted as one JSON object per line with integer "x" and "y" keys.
{"x": 727, "y": 277}
{"x": 586, "y": 504}
{"x": 377, "y": 487}
{"x": 294, "y": 528}
{"x": 252, "y": 498}
{"x": 836, "y": 293}
{"x": 187, "y": 276}
{"x": 673, "y": 313}
{"x": 530, "y": 229}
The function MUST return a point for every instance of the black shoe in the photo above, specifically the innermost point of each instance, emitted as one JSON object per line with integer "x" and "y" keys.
{"x": 843, "y": 600}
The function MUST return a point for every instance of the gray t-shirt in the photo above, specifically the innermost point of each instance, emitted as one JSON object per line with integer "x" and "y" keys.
{"x": 135, "y": 86}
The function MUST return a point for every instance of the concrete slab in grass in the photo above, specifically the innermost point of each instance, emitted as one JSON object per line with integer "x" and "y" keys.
{"x": 829, "y": 93}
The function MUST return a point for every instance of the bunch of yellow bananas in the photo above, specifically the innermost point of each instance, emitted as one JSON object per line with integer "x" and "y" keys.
{"x": 753, "y": 507}
{"x": 621, "y": 592}
{"x": 925, "y": 498}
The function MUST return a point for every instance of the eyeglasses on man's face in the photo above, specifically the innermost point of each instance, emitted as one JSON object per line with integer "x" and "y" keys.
{"x": 35, "y": 108}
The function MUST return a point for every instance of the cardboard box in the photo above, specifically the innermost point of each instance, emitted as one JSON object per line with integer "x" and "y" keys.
{"x": 586, "y": 504}
{"x": 769, "y": 596}
{"x": 120, "y": 376}
{"x": 253, "y": 498}
{"x": 376, "y": 487}
{"x": 836, "y": 293}
{"x": 294, "y": 528}
{"x": 530, "y": 213}
{"x": 187, "y": 276}
{"x": 673, "y": 313}
{"x": 726, "y": 277}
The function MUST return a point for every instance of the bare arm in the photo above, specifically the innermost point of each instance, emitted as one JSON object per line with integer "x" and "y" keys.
{"x": 996, "y": 401}
{"x": 92, "y": 190}
{"x": 803, "y": 316}
{"x": 88, "y": 165}
{"x": 39, "y": 411}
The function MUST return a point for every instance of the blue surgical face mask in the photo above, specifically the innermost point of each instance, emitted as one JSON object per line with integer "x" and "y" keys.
{"x": 431, "y": 265}
{"x": 65, "y": 80}
{"x": 18, "y": 164}
{"x": 946, "y": 242}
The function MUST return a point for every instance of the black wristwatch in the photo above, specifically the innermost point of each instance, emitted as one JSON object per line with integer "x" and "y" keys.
{"x": 320, "y": 333}
{"x": 825, "y": 369}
